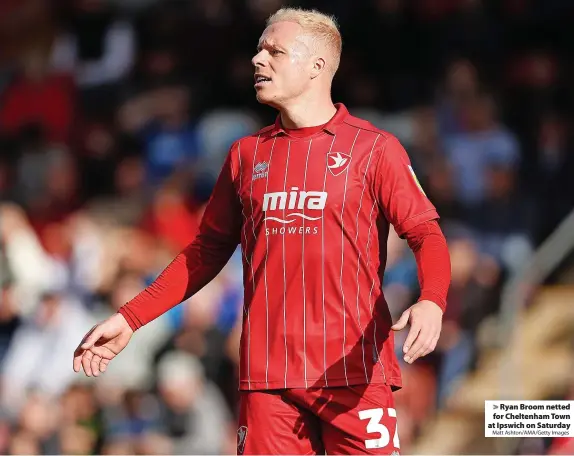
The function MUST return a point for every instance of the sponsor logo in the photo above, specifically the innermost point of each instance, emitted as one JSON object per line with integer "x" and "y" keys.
{"x": 337, "y": 162}
{"x": 303, "y": 204}
{"x": 241, "y": 438}
{"x": 260, "y": 170}
{"x": 295, "y": 199}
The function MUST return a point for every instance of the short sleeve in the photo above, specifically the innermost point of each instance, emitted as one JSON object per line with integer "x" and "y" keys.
{"x": 398, "y": 190}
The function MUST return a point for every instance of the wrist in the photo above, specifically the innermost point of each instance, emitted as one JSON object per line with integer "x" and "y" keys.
{"x": 129, "y": 318}
{"x": 433, "y": 299}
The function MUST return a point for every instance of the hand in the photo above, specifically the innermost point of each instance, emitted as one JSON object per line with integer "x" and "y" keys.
{"x": 101, "y": 344}
{"x": 425, "y": 318}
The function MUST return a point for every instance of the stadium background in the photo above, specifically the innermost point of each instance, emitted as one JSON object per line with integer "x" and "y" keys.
{"x": 114, "y": 119}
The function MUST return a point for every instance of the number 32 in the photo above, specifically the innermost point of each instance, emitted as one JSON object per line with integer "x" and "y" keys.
{"x": 375, "y": 426}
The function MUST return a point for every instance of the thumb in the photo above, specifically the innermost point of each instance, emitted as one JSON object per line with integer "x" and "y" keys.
{"x": 402, "y": 322}
{"x": 93, "y": 337}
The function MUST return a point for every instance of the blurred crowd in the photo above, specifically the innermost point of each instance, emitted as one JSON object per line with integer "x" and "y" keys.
{"x": 115, "y": 117}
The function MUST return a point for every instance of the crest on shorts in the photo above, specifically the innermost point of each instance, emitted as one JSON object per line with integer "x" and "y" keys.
{"x": 241, "y": 437}
{"x": 337, "y": 162}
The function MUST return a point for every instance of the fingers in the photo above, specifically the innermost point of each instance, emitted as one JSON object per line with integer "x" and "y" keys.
{"x": 402, "y": 322}
{"x": 424, "y": 344}
{"x": 411, "y": 341}
{"x": 79, "y": 351}
{"x": 87, "y": 361}
{"x": 78, "y": 359}
{"x": 95, "y": 365}
{"x": 104, "y": 365}
{"x": 92, "y": 337}
{"x": 431, "y": 346}
{"x": 94, "y": 361}
{"x": 414, "y": 349}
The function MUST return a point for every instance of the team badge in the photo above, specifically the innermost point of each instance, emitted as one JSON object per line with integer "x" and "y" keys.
{"x": 337, "y": 162}
{"x": 241, "y": 437}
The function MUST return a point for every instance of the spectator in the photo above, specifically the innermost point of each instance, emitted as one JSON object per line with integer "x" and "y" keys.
{"x": 41, "y": 98}
{"x": 98, "y": 48}
{"x": 504, "y": 221}
{"x": 161, "y": 119}
{"x": 484, "y": 143}
{"x": 194, "y": 412}
{"x": 43, "y": 345}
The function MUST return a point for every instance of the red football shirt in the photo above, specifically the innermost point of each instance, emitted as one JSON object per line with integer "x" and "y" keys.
{"x": 312, "y": 216}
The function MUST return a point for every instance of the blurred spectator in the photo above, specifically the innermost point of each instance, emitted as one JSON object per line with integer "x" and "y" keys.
{"x": 98, "y": 152}
{"x": 98, "y": 48}
{"x": 504, "y": 220}
{"x": 483, "y": 143}
{"x": 461, "y": 86}
{"x": 474, "y": 278}
{"x": 440, "y": 187}
{"x": 28, "y": 263}
{"x": 193, "y": 413}
{"x": 39, "y": 356}
{"x": 161, "y": 119}
{"x": 172, "y": 219}
{"x": 39, "y": 98}
{"x": 554, "y": 170}
{"x": 215, "y": 131}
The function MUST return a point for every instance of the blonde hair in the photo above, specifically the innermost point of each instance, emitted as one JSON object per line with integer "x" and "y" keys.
{"x": 321, "y": 26}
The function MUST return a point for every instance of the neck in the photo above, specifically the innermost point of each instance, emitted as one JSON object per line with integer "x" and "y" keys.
{"x": 307, "y": 113}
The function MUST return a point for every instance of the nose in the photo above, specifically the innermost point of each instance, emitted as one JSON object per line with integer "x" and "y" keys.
{"x": 258, "y": 60}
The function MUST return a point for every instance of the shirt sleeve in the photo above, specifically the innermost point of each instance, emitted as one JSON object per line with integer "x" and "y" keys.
{"x": 398, "y": 190}
{"x": 429, "y": 246}
{"x": 200, "y": 262}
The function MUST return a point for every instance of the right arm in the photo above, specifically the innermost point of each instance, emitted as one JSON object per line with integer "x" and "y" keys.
{"x": 200, "y": 262}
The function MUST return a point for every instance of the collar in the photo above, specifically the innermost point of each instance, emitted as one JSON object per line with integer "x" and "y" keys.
{"x": 330, "y": 127}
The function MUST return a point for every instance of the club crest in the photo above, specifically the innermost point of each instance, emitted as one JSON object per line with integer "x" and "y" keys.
{"x": 337, "y": 162}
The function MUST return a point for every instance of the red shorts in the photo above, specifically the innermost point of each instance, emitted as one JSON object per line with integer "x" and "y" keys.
{"x": 357, "y": 419}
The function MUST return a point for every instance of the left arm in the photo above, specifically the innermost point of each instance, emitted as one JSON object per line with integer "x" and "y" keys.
{"x": 433, "y": 265}
{"x": 407, "y": 207}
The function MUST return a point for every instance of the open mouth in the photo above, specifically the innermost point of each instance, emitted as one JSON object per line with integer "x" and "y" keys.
{"x": 260, "y": 80}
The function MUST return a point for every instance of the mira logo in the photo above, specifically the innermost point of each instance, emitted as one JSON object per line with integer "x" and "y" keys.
{"x": 297, "y": 200}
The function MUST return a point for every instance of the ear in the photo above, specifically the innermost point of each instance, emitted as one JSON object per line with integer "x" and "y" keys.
{"x": 318, "y": 67}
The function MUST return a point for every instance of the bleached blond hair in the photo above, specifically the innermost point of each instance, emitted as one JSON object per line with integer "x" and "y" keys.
{"x": 321, "y": 26}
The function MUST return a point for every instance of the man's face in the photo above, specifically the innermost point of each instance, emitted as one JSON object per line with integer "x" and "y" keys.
{"x": 283, "y": 64}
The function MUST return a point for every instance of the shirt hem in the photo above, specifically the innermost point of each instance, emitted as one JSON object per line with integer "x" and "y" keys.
{"x": 250, "y": 385}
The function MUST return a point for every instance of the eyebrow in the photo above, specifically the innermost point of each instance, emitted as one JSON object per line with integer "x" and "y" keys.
{"x": 262, "y": 44}
{"x": 266, "y": 43}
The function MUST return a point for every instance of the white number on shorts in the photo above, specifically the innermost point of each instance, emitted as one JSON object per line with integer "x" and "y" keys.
{"x": 375, "y": 426}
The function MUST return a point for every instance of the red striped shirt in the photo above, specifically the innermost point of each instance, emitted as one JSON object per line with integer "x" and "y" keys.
{"x": 312, "y": 215}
